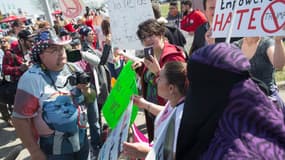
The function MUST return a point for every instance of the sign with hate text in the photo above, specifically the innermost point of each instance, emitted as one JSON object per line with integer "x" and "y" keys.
{"x": 252, "y": 18}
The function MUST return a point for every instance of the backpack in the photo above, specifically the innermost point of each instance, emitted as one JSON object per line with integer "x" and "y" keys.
{"x": 175, "y": 36}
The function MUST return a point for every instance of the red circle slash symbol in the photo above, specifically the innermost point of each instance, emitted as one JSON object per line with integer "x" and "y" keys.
{"x": 71, "y": 8}
{"x": 269, "y": 10}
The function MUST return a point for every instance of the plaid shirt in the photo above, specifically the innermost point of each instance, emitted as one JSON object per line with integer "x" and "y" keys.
{"x": 12, "y": 60}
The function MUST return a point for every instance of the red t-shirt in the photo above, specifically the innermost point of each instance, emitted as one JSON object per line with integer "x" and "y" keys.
{"x": 192, "y": 21}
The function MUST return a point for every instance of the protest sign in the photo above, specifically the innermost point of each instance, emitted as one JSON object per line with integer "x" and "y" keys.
{"x": 163, "y": 146}
{"x": 125, "y": 16}
{"x": 113, "y": 146}
{"x": 71, "y": 8}
{"x": 120, "y": 96}
{"x": 130, "y": 54}
{"x": 252, "y": 18}
{"x": 29, "y": 7}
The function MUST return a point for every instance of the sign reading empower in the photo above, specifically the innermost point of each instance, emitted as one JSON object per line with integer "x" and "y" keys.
{"x": 252, "y": 18}
{"x": 125, "y": 16}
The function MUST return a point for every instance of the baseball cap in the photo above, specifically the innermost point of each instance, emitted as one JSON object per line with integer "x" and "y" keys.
{"x": 45, "y": 39}
{"x": 85, "y": 30}
{"x": 25, "y": 34}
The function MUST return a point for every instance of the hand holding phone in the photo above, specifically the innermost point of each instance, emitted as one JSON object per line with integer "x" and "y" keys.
{"x": 148, "y": 52}
{"x": 74, "y": 56}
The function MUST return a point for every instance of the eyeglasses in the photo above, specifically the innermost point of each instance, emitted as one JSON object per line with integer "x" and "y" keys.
{"x": 54, "y": 49}
{"x": 143, "y": 37}
{"x": 91, "y": 34}
{"x": 29, "y": 40}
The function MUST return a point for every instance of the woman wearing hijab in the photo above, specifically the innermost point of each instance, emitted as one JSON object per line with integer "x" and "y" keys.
{"x": 226, "y": 114}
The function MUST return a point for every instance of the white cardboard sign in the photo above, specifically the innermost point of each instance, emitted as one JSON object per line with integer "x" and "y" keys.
{"x": 252, "y": 18}
{"x": 125, "y": 16}
{"x": 113, "y": 146}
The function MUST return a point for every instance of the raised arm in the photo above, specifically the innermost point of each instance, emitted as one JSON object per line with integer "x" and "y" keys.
{"x": 276, "y": 54}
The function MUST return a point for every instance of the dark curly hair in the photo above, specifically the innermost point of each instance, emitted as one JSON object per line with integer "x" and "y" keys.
{"x": 150, "y": 27}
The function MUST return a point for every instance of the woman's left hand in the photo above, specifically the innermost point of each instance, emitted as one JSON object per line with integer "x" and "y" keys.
{"x": 152, "y": 65}
{"x": 135, "y": 150}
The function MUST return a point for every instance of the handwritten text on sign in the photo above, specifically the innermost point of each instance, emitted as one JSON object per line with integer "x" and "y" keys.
{"x": 125, "y": 16}
{"x": 71, "y": 8}
{"x": 253, "y": 18}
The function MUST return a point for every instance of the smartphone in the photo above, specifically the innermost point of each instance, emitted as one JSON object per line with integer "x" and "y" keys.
{"x": 74, "y": 56}
{"x": 147, "y": 52}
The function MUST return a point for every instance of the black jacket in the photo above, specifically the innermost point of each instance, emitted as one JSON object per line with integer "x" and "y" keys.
{"x": 199, "y": 38}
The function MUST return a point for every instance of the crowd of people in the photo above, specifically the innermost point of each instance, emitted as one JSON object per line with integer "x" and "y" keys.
{"x": 223, "y": 97}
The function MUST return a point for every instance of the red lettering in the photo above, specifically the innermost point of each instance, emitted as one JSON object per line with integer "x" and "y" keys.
{"x": 241, "y": 12}
{"x": 251, "y": 19}
{"x": 228, "y": 21}
{"x": 217, "y": 22}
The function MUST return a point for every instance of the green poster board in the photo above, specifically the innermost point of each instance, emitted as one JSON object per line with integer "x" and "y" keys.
{"x": 120, "y": 96}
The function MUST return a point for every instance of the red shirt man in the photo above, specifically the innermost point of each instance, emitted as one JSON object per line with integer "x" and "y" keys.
{"x": 17, "y": 60}
{"x": 192, "y": 19}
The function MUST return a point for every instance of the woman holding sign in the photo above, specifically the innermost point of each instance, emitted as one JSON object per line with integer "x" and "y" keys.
{"x": 157, "y": 52}
{"x": 172, "y": 84}
{"x": 265, "y": 55}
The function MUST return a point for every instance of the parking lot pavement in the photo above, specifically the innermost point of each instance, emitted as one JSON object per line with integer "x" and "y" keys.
{"x": 11, "y": 148}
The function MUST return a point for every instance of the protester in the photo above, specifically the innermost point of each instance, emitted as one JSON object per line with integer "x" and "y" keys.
{"x": 43, "y": 26}
{"x": 4, "y": 109}
{"x": 17, "y": 26}
{"x": 101, "y": 82}
{"x": 92, "y": 107}
{"x": 49, "y": 103}
{"x": 173, "y": 34}
{"x": 88, "y": 38}
{"x": 115, "y": 60}
{"x": 103, "y": 74}
{"x": 174, "y": 15}
{"x": 2, "y": 40}
{"x": 151, "y": 33}
{"x": 192, "y": 19}
{"x": 199, "y": 36}
{"x": 226, "y": 114}
{"x": 16, "y": 61}
{"x": 197, "y": 4}
{"x": 265, "y": 55}
{"x": 172, "y": 84}
{"x": 203, "y": 33}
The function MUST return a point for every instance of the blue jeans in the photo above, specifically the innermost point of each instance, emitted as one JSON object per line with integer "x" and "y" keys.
{"x": 94, "y": 125}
